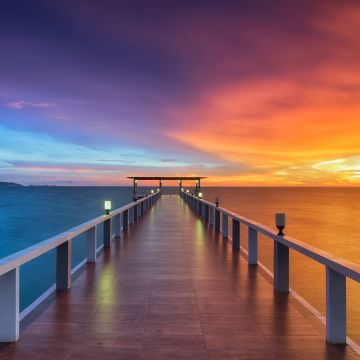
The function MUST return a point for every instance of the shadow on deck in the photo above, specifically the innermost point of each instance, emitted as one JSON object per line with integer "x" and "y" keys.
{"x": 171, "y": 289}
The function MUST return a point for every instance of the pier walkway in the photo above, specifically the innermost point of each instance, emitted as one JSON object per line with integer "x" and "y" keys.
{"x": 171, "y": 289}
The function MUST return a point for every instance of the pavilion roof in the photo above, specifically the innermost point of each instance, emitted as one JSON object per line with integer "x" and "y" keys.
{"x": 166, "y": 177}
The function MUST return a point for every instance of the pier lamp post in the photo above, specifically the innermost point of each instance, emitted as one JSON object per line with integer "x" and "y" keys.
{"x": 217, "y": 201}
{"x": 107, "y": 206}
{"x": 280, "y": 223}
{"x": 135, "y": 189}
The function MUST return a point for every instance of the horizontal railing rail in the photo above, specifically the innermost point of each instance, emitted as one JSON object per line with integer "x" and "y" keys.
{"x": 337, "y": 268}
{"x": 10, "y": 265}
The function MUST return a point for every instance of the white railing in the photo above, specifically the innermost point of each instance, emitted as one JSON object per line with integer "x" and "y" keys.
{"x": 10, "y": 265}
{"x": 337, "y": 269}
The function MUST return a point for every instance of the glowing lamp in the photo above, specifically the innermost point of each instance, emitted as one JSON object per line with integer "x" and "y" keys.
{"x": 200, "y": 195}
{"x": 107, "y": 207}
{"x": 280, "y": 222}
{"x": 187, "y": 190}
{"x": 158, "y": 189}
{"x": 182, "y": 189}
{"x": 152, "y": 191}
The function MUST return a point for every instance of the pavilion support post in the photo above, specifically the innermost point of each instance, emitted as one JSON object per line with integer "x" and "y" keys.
{"x": 9, "y": 306}
{"x": 335, "y": 307}
{"x": 235, "y": 234}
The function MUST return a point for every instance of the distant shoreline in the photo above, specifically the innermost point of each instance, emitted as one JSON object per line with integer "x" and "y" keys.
{"x": 10, "y": 184}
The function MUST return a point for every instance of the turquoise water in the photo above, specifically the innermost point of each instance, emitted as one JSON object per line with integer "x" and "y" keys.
{"x": 325, "y": 217}
{"x": 29, "y": 215}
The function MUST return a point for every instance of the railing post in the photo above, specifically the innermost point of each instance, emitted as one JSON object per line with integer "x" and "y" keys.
{"x": 131, "y": 215}
{"x": 117, "y": 226}
{"x": 211, "y": 215}
{"x": 335, "y": 307}
{"x": 225, "y": 226}
{"x": 107, "y": 233}
{"x": 63, "y": 266}
{"x": 235, "y": 234}
{"x": 281, "y": 267}
{"x": 207, "y": 210}
{"x": 135, "y": 213}
{"x": 252, "y": 246}
{"x": 125, "y": 219}
{"x": 217, "y": 220}
{"x": 9, "y": 306}
{"x": 91, "y": 244}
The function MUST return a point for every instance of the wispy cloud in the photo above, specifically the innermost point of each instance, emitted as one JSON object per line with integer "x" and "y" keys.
{"x": 116, "y": 160}
{"x": 168, "y": 160}
{"x": 20, "y": 104}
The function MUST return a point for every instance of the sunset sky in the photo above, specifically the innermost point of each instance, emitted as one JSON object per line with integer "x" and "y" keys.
{"x": 244, "y": 92}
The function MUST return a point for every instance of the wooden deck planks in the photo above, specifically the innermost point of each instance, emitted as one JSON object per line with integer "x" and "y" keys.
{"x": 170, "y": 289}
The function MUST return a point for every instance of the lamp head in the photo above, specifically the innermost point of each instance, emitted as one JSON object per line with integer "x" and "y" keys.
{"x": 107, "y": 207}
{"x": 280, "y": 222}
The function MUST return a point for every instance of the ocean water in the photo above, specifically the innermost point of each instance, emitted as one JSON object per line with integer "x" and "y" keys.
{"x": 29, "y": 215}
{"x": 328, "y": 218}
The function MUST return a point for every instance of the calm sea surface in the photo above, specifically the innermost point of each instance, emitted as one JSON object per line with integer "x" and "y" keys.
{"x": 328, "y": 218}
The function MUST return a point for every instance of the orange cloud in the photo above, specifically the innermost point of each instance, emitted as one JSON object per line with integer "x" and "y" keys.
{"x": 279, "y": 129}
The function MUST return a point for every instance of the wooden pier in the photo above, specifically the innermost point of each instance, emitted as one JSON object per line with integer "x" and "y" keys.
{"x": 171, "y": 288}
